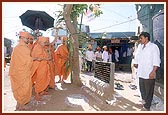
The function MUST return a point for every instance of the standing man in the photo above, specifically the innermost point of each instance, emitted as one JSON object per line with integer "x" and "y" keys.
{"x": 50, "y": 48}
{"x": 61, "y": 59}
{"x": 147, "y": 64}
{"x": 20, "y": 72}
{"x": 89, "y": 57}
{"x": 116, "y": 56}
{"x": 98, "y": 54}
{"x": 40, "y": 69}
{"x": 105, "y": 55}
{"x": 111, "y": 55}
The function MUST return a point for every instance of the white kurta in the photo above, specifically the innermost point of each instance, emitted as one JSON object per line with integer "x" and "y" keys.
{"x": 105, "y": 56}
{"x": 89, "y": 55}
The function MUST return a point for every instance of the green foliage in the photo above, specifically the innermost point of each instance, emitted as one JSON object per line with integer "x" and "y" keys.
{"x": 95, "y": 9}
{"x": 83, "y": 38}
{"x": 78, "y": 9}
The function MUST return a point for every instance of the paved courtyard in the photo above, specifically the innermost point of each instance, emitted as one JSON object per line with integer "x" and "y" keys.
{"x": 71, "y": 98}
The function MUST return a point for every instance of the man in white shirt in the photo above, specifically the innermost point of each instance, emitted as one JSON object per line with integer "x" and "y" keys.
{"x": 89, "y": 57}
{"x": 98, "y": 54}
{"x": 105, "y": 55}
{"x": 116, "y": 56}
{"x": 129, "y": 54}
{"x": 148, "y": 61}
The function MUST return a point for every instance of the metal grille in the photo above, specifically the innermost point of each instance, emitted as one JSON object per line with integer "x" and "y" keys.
{"x": 103, "y": 71}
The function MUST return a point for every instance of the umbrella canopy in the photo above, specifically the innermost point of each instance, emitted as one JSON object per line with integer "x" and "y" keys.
{"x": 37, "y": 20}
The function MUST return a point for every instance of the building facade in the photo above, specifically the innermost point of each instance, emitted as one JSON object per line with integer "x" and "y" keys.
{"x": 151, "y": 16}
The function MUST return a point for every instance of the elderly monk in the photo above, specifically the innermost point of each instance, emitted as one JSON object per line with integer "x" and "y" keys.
{"x": 61, "y": 57}
{"x": 20, "y": 72}
{"x": 51, "y": 62}
{"x": 40, "y": 70}
{"x": 30, "y": 44}
{"x": 49, "y": 49}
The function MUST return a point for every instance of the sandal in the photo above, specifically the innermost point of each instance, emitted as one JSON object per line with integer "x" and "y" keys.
{"x": 133, "y": 87}
{"x": 119, "y": 87}
{"x": 116, "y": 83}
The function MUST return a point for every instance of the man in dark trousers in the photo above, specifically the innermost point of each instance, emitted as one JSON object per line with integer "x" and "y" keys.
{"x": 147, "y": 62}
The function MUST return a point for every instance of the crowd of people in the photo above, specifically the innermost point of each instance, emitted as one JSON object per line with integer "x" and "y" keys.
{"x": 34, "y": 65}
{"x": 104, "y": 54}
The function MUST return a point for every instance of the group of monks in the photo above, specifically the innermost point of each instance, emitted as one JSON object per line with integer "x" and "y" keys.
{"x": 34, "y": 65}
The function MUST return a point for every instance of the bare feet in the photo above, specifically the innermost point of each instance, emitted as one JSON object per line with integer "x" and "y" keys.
{"x": 17, "y": 106}
{"x": 20, "y": 107}
{"x": 25, "y": 107}
{"x": 37, "y": 97}
{"x": 44, "y": 93}
{"x": 51, "y": 87}
{"x": 63, "y": 81}
{"x": 59, "y": 81}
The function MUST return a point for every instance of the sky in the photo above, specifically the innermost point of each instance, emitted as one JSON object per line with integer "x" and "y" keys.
{"x": 116, "y": 17}
{"x": 11, "y": 23}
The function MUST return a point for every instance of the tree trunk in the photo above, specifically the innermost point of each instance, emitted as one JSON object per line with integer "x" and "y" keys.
{"x": 73, "y": 32}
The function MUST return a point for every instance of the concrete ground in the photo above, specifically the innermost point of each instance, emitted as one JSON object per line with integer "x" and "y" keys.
{"x": 71, "y": 98}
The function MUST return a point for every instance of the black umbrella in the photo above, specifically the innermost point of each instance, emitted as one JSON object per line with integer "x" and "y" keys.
{"x": 37, "y": 20}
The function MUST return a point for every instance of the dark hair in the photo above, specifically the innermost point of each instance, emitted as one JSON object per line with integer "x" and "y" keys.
{"x": 145, "y": 34}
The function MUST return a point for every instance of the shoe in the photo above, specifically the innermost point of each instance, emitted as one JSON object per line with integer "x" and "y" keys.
{"x": 133, "y": 87}
{"x": 119, "y": 87}
{"x": 116, "y": 83}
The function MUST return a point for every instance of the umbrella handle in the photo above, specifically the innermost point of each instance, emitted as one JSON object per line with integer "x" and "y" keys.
{"x": 38, "y": 23}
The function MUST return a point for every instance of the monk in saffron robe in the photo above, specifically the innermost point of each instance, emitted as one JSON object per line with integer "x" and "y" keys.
{"x": 51, "y": 62}
{"x": 40, "y": 70}
{"x": 30, "y": 44}
{"x": 61, "y": 57}
{"x": 20, "y": 72}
